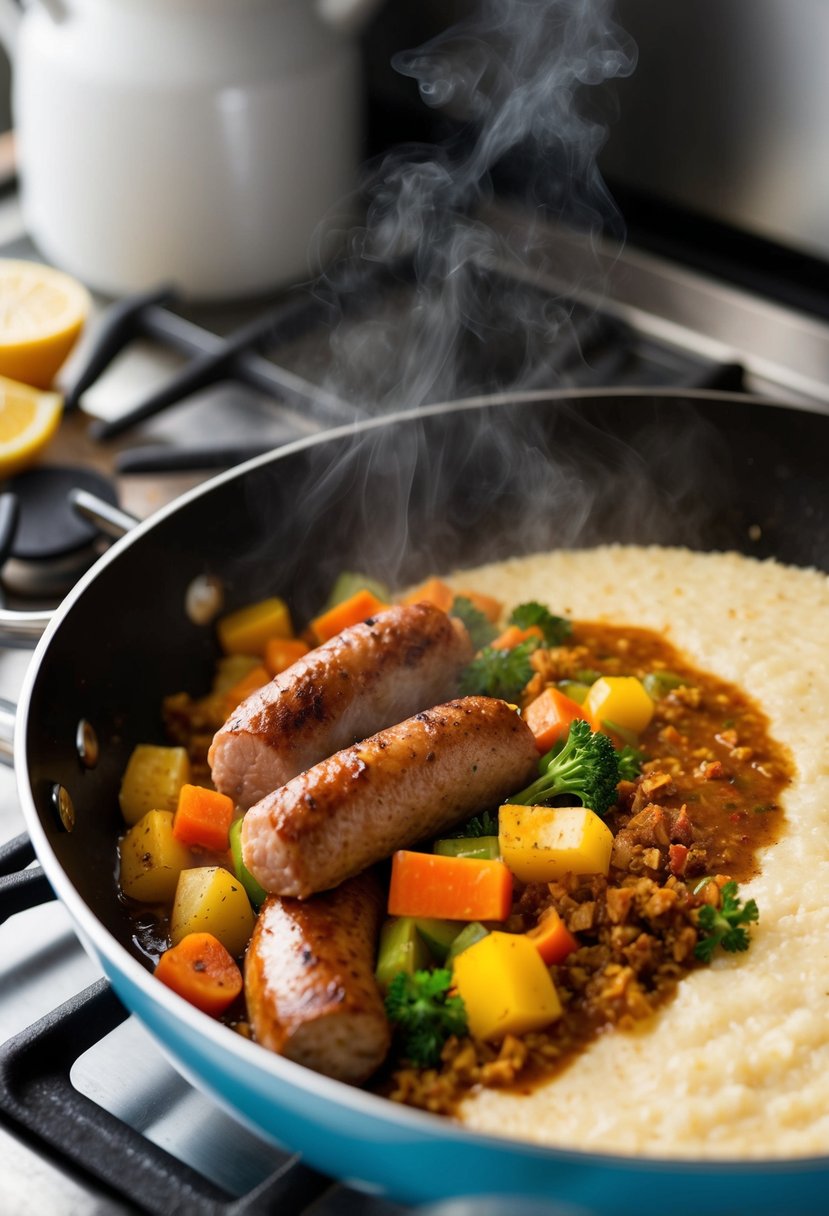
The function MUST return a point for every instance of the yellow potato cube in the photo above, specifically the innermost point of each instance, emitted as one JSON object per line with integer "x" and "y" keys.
{"x": 152, "y": 780}
{"x": 248, "y": 629}
{"x": 620, "y": 700}
{"x": 542, "y": 843}
{"x": 152, "y": 859}
{"x": 505, "y": 987}
{"x": 209, "y": 899}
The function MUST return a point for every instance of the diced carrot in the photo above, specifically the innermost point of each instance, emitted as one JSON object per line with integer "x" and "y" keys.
{"x": 203, "y": 817}
{"x": 513, "y": 635}
{"x": 487, "y": 604}
{"x": 433, "y": 592}
{"x": 549, "y": 717}
{"x": 256, "y": 678}
{"x": 552, "y": 938}
{"x": 201, "y": 970}
{"x": 451, "y": 888}
{"x": 356, "y": 608}
{"x": 281, "y": 653}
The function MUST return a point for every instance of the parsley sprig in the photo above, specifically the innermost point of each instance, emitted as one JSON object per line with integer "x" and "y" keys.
{"x": 499, "y": 673}
{"x": 485, "y": 824}
{"x": 725, "y": 926}
{"x": 555, "y": 629}
{"x": 480, "y": 630}
{"x": 425, "y": 1014}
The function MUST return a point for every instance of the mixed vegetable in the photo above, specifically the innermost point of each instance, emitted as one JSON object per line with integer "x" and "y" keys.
{"x": 539, "y": 921}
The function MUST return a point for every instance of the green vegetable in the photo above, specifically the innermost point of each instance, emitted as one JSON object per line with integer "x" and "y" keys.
{"x": 425, "y": 1014}
{"x": 468, "y": 936}
{"x": 630, "y": 763}
{"x": 629, "y": 737}
{"x": 401, "y": 949}
{"x": 499, "y": 673}
{"x": 555, "y": 629}
{"x": 586, "y": 767}
{"x": 575, "y": 690}
{"x": 480, "y": 825}
{"x": 348, "y": 583}
{"x": 483, "y": 848}
{"x": 256, "y": 894}
{"x": 480, "y": 630}
{"x": 724, "y": 926}
{"x": 438, "y": 934}
{"x": 658, "y": 684}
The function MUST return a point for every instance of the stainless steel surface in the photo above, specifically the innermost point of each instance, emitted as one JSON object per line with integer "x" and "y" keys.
{"x": 726, "y": 113}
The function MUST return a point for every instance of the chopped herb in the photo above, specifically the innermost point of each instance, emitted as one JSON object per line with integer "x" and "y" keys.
{"x": 481, "y": 825}
{"x": 553, "y": 628}
{"x": 425, "y": 1014}
{"x": 724, "y": 926}
{"x": 499, "y": 673}
{"x": 480, "y": 631}
{"x": 630, "y": 762}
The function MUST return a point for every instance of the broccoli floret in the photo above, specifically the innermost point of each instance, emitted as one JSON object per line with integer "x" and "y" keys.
{"x": 425, "y": 1014}
{"x": 724, "y": 926}
{"x": 586, "y": 767}
{"x": 480, "y": 631}
{"x": 499, "y": 673}
{"x": 554, "y": 628}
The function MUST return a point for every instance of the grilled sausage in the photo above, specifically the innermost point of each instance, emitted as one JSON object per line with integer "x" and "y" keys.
{"x": 367, "y": 677}
{"x": 413, "y": 780}
{"x": 309, "y": 980}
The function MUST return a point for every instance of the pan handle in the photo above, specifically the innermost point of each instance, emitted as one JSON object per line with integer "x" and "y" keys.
{"x": 8, "y": 712}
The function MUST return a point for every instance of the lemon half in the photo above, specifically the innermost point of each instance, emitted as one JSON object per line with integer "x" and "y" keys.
{"x": 29, "y": 418}
{"x": 42, "y": 312}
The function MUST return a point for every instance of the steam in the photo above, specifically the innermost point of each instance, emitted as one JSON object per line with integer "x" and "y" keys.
{"x": 518, "y": 81}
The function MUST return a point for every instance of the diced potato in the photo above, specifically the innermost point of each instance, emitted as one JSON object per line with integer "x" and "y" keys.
{"x": 248, "y": 629}
{"x": 152, "y": 859}
{"x": 209, "y": 899}
{"x": 620, "y": 701}
{"x": 542, "y": 843}
{"x": 152, "y": 780}
{"x": 505, "y": 987}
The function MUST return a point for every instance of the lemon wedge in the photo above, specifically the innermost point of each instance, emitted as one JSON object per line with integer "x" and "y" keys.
{"x": 42, "y": 312}
{"x": 29, "y": 418}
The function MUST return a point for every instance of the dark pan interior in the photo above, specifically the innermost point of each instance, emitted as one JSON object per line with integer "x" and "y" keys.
{"x": 399, "y": 501}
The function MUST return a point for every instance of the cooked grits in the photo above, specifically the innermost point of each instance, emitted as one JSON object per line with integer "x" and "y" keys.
{"x": 737, "y": 1064}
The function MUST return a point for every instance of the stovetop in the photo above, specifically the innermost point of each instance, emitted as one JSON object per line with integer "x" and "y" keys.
{"x": 657, "y": 324}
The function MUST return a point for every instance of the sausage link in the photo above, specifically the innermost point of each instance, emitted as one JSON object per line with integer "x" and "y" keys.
{"x": 406, "y": 783}
{"x": 371, "y": 675}
{"x": 309, "y": 980}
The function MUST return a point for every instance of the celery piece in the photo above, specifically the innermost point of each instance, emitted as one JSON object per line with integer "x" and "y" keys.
{"x": 348, "y": 583}
{"x": 657, "y": 684}
{"x": 256, "y": 894}
{"x": 468, "y": 936}
{"x": 438, "y": 934}
{"x": 576, "y": 690}
{"x": 401, "y": 949}
{"x": 482, "y": 848}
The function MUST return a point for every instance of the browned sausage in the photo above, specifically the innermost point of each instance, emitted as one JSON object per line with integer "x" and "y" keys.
{"x": 369, "y": 676}
{"x": 405, "y": 784}
{"x": 309, "y": 980}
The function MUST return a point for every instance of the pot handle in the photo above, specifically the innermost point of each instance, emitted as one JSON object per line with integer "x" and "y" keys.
{"x": 8, "y": 713}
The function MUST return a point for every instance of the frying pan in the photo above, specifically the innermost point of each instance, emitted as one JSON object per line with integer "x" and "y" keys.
{"x": 398, "y": 497}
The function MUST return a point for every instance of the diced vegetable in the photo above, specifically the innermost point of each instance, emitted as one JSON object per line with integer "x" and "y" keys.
{"x": 620, "y": 699}
{"x": 201, "y": 970}
{"x": 514, "y": 636}
{"x": 282, "y": 653}
{"x": 451, "y": 888}
{"x": 552, "y": 939}
{"x": 549, "y": 717}
{"x": 469, "y": 934}
{"x": 432, "y": 592}
{"x": 658, "y": 684}
{"x": 401, "y": 949}
{"x": 209, "y": 899}
{"x": 575, "y": 690}
{"x": 248, "y": 629}
{"x": 152, "y": 780}
{"x": 152, "y": 859}
{"x": 542, "y": 843}
{"x": 358, "y": 608}
{"x": 481, "y": 847}
{"x": 253, "y": 680}
{"x": 505, "y": 987}
{"x": 256, "y": 893}
{"x": 349, "y": 582}
{"x": 231, "y": 668}
{"x": 203, "y": 817}
{"x": 438, "y": 935}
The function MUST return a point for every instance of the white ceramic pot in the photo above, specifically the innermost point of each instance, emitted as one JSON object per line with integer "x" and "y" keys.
{"x": 198, "y": 142}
